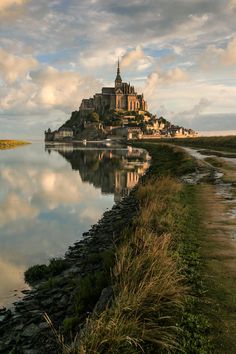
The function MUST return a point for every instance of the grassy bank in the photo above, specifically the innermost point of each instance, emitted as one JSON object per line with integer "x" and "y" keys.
{"x": 10, "y": 144}
{"x": 221, "y": 143}
{"x": 158, "y": 292}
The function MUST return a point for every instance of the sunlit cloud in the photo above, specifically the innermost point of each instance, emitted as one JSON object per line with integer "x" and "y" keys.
{"x": 58, "y": 52}
{"x": 218, "y": 56}
{"x": 156, "y": 79}
{"x": 136, "y": 59}
{"x": 6, "y": 4}
{"x": 13, "y": 67}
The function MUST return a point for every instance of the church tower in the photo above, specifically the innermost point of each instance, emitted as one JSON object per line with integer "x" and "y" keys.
{"x": 118, "y": 80}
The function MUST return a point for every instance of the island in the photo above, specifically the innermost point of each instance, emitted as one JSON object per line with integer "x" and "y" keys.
{"x": 117, "y": 113}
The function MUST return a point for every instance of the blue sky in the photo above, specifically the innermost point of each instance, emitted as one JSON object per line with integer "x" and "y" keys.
{"x": 181, "y": 54}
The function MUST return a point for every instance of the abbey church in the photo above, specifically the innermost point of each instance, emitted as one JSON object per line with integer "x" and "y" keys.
{"x": 121, "y": 97}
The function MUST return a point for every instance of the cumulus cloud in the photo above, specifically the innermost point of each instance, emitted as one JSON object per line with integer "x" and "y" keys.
{"x": 28, "y": 90}
{"x": 61, "y": 89}
{"x": 217, "y": 56}
{"x": 137, "y": 59}
{"x": 13, "y": 67}
{"x": 156, "y": 79}
{"x": 96, "y": 33}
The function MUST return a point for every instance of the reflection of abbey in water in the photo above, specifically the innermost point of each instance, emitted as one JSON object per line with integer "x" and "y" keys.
{"x": 114, "y": 171}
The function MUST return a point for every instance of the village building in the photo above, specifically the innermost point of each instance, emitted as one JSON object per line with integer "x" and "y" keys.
{"x": 128, "y": 133}
{"x": 61, "y": 134}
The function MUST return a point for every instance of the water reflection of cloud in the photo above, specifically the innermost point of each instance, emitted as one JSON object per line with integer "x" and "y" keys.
{"x": 13, "y": 280}
{"x": 14, "y": 207}
{"x": 45, "y": 206}
{"x": 46, "y": 209}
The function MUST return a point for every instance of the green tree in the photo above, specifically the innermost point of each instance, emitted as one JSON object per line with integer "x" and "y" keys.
{"x": 93, "y": 117}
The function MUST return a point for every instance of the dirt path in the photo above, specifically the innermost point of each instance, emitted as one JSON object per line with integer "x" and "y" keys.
{"x": 218, "y": 248}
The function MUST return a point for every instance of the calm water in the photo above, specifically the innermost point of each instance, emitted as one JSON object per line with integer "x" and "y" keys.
{"x": 49, "y": 196}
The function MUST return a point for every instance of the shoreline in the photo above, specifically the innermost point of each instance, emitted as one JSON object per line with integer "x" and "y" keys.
{"x": 25, "y": 321}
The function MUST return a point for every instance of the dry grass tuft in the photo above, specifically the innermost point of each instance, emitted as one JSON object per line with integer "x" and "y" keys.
{"x": 147, "y": 282}
{"x": 148, "y": 294}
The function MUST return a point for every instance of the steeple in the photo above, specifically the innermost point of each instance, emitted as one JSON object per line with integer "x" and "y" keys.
{"x": 118, "y": 80}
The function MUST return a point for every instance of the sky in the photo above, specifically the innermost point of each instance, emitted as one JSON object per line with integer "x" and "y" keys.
{"x": 180, "y": 53}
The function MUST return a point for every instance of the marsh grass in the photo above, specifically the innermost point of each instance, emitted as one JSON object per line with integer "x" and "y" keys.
{"x": 147, "y": 281}
{"x": 148, "y": 294}
{"x": 10, "y": 144}
{"x": 221, "y": 143}
{"x": 156, "y": 275}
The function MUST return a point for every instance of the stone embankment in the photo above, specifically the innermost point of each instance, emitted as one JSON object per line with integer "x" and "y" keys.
{"x": 23, "y": 329}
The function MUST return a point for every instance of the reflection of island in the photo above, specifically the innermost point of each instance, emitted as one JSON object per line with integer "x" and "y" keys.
{"x": 114, "y": 171}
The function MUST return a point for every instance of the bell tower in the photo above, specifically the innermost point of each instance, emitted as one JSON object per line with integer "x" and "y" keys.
{"x": 118, "y": 80}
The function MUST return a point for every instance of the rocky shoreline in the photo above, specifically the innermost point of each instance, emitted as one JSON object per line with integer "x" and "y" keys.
{"x": 23, "y": 329}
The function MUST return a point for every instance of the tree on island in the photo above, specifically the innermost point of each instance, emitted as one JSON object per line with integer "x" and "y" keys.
{"x": 93, "y": 117}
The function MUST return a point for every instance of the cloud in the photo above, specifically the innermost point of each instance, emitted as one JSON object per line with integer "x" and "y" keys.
{"x": 196, "y": 110}
{"x": 61, "y": 89}
{"x": 217, "y": 56}
{"x": 6, "y": 4}
{"x": 27, "y": 90}
{"x": 232, "y": 5}
{"x": 86, "y": 38}
{"x": 228, "y": 56}
{"x": 136, "y": 59}
{"x": 13, "y": 67}
{"x": 156, "y": 79}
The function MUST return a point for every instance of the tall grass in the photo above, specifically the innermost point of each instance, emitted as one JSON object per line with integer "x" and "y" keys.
{"x": 157, "y": 269}
{"x": 148, "y": 292}
{"x": 147, "y": 284}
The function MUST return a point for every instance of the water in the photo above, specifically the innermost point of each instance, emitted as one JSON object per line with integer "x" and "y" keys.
{"x": 49, "y": 196}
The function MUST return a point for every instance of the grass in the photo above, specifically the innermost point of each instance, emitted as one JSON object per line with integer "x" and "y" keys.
{"x": 225, "y": 143}
{"x": 10, "y": 144}
{"x": 156, "y": 276}
{"x": 170, "y": 292}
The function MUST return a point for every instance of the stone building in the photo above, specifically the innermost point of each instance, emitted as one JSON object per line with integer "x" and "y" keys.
{"x": 62, "y": 133}
{"x": 120, "y": 97}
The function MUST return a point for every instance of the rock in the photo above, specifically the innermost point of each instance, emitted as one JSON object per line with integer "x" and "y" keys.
{"x": 30, "y": 351}
{"x": 43, "y": 325}
{"x": 30, "y": 331}
{"x": 104, "y": 300}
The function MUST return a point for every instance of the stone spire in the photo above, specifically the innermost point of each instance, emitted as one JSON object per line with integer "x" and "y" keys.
{"x": 118, "y": 80}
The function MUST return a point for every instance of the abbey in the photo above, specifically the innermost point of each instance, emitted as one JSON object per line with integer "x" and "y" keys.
{"x": 121, "y": 97}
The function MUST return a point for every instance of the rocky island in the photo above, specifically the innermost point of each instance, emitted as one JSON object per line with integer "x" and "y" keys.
{"x": 117, "y": 113}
